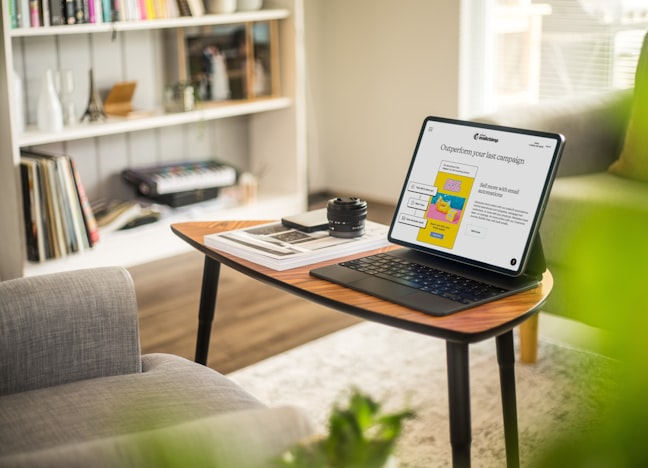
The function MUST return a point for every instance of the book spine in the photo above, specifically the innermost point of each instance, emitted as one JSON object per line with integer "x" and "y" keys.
{"x": 92, "y": 230}
{"x": 64, "y": 206}
{"x": 196, "y": 7}
{"x": 91, "y": 13}
{"x": 74, "y": 205}
{"x": 107, "y": 7}
{"x": 183, "y": 8}
{"x": 160, "y": 8}
{"x": 171, "y": 8}
{"x": 79, "y": 11}
{"x": 23, "y": 13}
{"x": 14, "y": 17}
{"x": 31, "y": 234}
{"x": 34, "y": 14}
{"x": 56, "y": 233}
{"x": 57, "y": 12}
{"x": 70, "y": 16}
{"x": 99, "y": 15}
{"x": 45, "y": 12}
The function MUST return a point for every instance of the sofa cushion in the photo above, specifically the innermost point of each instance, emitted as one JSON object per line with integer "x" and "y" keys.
{"x": 593, "y": 127}
{"x": 170, "y": 390}
{"x": 576, "y": 198}
{"x": 633, "y": 161}
{"x": 249, "y": 438}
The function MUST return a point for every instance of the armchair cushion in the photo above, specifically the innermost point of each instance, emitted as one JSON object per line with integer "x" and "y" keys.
{"x": 66, "y": 327}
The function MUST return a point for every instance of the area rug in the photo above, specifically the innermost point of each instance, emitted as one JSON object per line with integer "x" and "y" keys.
{"x": 402, "y": 368}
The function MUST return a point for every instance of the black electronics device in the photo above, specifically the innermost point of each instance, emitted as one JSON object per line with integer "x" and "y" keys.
{"x": 310, "y": 221}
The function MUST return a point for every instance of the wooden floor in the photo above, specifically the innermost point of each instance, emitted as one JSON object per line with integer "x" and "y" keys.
{"x": 253, "y": 320}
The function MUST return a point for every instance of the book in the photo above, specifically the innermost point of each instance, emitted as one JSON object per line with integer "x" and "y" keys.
{"x": 196, "y": 7}
{"x": 34, "y": 14}
{"x": 45, "y": 13}
{"x": 57, "y": 12}
{"x": 79, "y": 11}
{"x": 115, "y": 215}
{"x": 183, "y": 8}
{"x": 44, "y": 243}
{"x": 69, "y": 11}
{"x": 279, "y": 247}
{"x": 14, "y": 14}
{"x": 72, "y": 206}
{"x": 107, "y": 10}
{"x": 92, "y": 230}
{"x": 52, "y": 205}
{"x": 31, "y": 211}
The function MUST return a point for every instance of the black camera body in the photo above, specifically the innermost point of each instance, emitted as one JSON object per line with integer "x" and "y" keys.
{"x": 346, "y": 216}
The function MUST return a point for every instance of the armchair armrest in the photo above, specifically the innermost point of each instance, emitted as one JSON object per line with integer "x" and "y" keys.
{"x": 66, "y": 327}
{"x": 594, "y": 127}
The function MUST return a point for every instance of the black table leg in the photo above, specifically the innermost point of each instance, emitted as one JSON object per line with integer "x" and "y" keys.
{"x": 459, "y": 403}
{"x": 209, "y": 288}
{"x": 506, "y": 361}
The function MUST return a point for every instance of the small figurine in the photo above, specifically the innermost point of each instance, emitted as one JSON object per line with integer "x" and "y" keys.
{"x": 94, "y": 111}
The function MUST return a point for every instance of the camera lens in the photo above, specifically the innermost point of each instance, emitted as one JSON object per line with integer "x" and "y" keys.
{"x": 346, "y": 216}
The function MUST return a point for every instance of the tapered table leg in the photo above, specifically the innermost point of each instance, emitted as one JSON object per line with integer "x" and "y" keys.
{"x": 506, "y": 361}
{"x": 208, "y": 291}
{"x": 459, "y": 403}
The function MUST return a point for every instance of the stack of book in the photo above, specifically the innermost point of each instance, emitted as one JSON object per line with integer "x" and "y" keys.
{"x": 58, "y": 216}
{"x": 37, "y": 13}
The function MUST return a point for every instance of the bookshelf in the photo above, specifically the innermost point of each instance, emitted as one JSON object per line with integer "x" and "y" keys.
{"x": 265, "y": 136}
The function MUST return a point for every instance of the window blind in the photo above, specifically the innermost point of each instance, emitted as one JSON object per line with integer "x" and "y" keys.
{"x": 578, "y": 47}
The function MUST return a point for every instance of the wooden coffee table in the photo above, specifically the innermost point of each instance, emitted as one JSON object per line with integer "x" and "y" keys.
{"x": 493, "y": 320}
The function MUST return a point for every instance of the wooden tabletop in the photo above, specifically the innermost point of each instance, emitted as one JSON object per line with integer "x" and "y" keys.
{"x": 469, "y": 326}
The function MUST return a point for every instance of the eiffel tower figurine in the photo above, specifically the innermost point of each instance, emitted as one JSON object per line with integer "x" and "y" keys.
{"x": 94, "y": 111}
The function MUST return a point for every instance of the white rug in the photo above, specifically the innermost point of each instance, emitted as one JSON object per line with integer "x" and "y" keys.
{"x": 401, "y": 367}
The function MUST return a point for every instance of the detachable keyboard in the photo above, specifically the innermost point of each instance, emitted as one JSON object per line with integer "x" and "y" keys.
{"x": 424, "y": 278}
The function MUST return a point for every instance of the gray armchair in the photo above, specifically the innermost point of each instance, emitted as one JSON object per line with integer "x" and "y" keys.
{"x": 75, "y": 391}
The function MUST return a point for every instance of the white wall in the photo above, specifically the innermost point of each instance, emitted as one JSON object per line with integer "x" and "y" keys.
{"x": 376, "y": 68}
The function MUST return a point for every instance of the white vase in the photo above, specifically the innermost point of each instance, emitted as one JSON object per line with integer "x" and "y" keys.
{"x": 220, "y": 89}
{"x": 221, "y": 6}
{"x": 249, "y": 5}
{"x": 49, "y": 115}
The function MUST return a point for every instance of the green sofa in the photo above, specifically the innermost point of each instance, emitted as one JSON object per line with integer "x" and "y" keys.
{"x": 75, "y": 391}
{"x": 594, "y": 129}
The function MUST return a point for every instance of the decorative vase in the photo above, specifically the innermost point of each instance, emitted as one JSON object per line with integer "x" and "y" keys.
{"x": 220, "y": 89}
{"x": 249, "y": 5}
{"x": 66, "y": 95}
{"x": 49, "y": 115}
{"x": 221, "y": 6}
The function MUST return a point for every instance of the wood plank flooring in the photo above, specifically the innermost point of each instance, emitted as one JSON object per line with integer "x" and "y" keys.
{"x": 253, "y": 320}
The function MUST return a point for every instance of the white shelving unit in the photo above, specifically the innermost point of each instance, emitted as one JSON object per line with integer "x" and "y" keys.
{"x": 265, "y": 136}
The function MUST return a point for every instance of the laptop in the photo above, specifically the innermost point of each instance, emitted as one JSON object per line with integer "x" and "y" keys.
{"x": 468, "y": 214}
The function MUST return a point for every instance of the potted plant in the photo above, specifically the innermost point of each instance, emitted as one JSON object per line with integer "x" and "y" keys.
{"x": 359, "y": 436}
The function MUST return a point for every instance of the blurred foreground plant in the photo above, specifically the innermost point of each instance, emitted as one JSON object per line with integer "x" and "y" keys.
{"x": 360, "y": 436}
{"x": 609, "y": 288}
